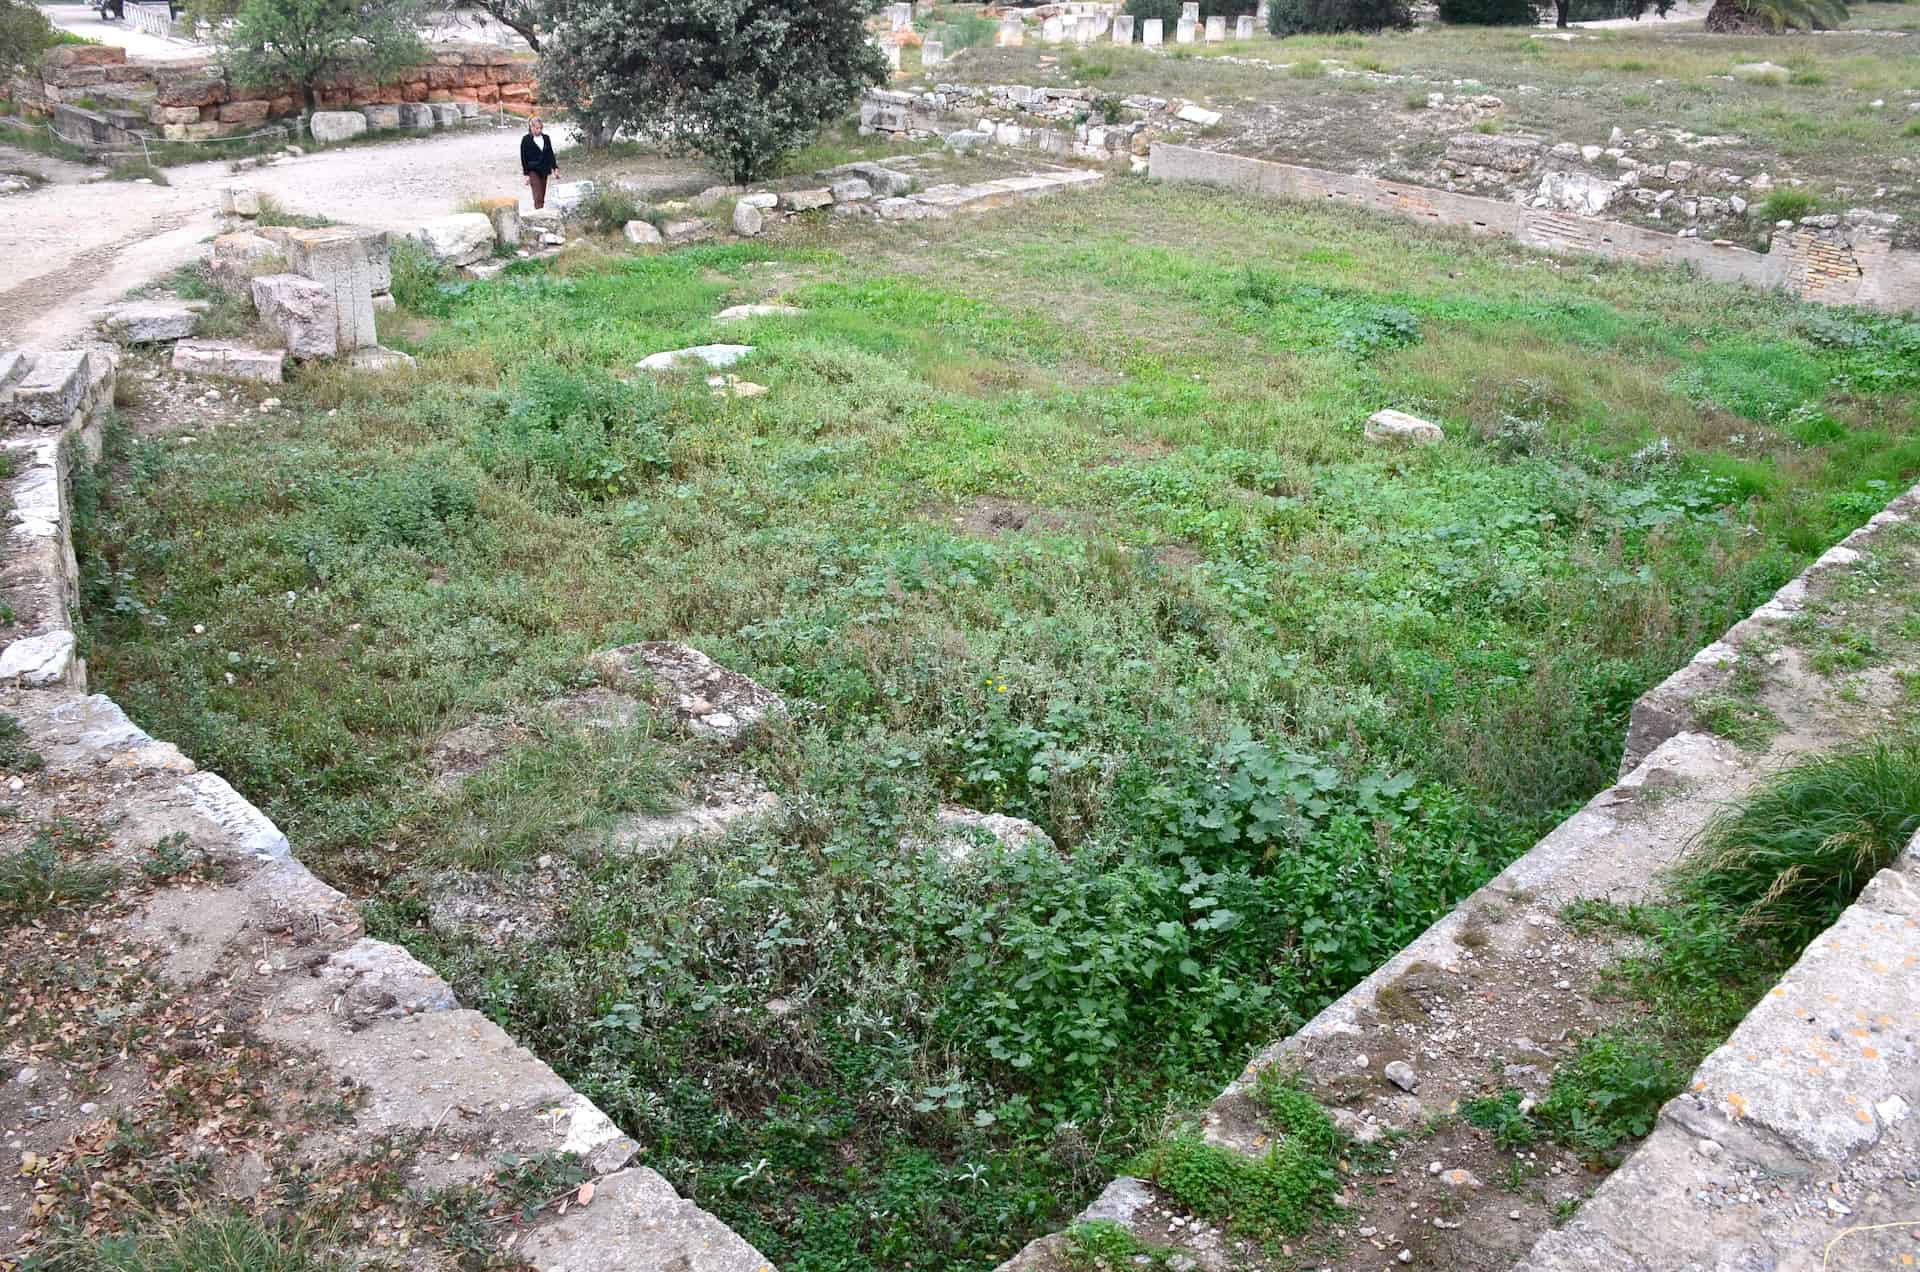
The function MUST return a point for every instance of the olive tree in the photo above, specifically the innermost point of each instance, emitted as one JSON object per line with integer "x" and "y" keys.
{"x": 307, "y": 42}
{"x": 742, "y": 82}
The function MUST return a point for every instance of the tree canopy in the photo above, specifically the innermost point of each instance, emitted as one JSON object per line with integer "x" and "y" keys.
{"x": 742, "y": 82}
{"x": 305, "y": 42}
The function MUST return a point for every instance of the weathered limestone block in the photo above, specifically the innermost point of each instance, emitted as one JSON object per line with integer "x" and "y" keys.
{"x": 237, "y": 258}
{"x": 378, "y": 359}
{"x": 1398, "y": 426}
{"x": 885, "y": 182}
{"x": 851, "y": 190}
{"x": 1123, "y": 28}
{"x": 684, "y": 231}
{"x": 1216, "y": 29}
{"x": 229, "y": 360}
{"x": 446, "y": 114}
{"x": 371, "y": 980}
{"x": 337, "y": 125}
{"x": 805, "y": 200}
{"x": 959, "y": 833}
{"x": 747, "y": 221}
{"x": 709, "y": 700}
{"x": 932, "y": 53}
{"x": 1243, "y": 27}
{"x": 1492, "y": 150}
{"x": 460, "y": 239}
{"x": 504, "y": 213}
{"x": 151, "y": 321}
{"x": 339, "y": 258}
{"x": 382, "y": 118}
{"x": 642, "y": 234}
{"x": 1183, "y": 32}
{"x": 566, "y": 197}
{"x": 38, "y": 661}
{"x": 49, "y": 392}
{"x": 1151, "y": 32}
{"x": 302, "y": 311}
{"x": 248, "y": 112}
{"x": 717, "y": 356}
{"x": 239, "y": 200}
{"x": 416, "y": 116}
{"x": 638, "y": 1221}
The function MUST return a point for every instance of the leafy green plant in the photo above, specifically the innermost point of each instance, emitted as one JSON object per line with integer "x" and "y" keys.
{"x": 419, "y": 281}
{"x": 1788, "y": 203}
{"x": 1265, "y": 1198}
{"x": 1500, "y": 1114}
{"x": 608, "y": 209}
{"x": 1612, "y": 1090}
{"x": 25, "y": 33}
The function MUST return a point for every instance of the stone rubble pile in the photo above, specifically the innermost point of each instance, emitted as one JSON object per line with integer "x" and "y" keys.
{"x": 1077, "y": 123}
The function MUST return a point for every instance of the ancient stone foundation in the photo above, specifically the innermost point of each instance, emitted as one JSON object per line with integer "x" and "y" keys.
{"x": 1833, "y": 265}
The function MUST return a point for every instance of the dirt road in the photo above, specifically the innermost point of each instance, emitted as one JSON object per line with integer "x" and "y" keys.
{"x": 73, "y": 245}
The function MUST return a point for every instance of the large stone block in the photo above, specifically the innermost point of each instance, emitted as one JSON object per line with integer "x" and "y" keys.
{"x": 642, "y": 234}
{"x": 446, "y": 114}
{"x": 238, "y": 257}
{"x": 151, "y": 321}
{"x": 505, "y": 215}
{"x": 416, "y": 116}
{"x": 302, "y": 311}
{"x": 52, "y": 389}
{"x": 228, "y": 360}
{"x": 460, "y": 239}
{"x": 1398, "y": 426}
{"x": 638, "y": 1221}
{"x": 337, "y": 125}
{"x": 83, "y": 55}
{"x": 566, "y": 197}
{"x": 239, "y": 200}
{"x": 805, "y": 200}
{"x": 252, "y": 112}
{"x": 380, "y": 118}
{"x": 338, "y": 257}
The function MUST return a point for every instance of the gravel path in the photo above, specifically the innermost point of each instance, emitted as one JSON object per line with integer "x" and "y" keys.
{"x": 71, "y": 246}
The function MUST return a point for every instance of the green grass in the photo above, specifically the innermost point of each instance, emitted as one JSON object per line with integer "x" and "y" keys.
{"x": 208, "y": 1242}
{"x": 1065, "y": 516}
{"x": 16, "y": 756}
{"x": 51, "y": 873}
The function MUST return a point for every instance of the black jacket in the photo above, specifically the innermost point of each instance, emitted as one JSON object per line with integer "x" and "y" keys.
{"x": 537, "y": 156}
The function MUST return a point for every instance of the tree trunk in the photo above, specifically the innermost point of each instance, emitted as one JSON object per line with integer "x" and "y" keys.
{"x": 1728, "y": 17}
{"x": 1560, "y": 8}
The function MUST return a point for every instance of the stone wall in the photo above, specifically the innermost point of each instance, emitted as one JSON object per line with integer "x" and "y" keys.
{"x": 97, "y": 95}
{"x": 1832, "y": 264}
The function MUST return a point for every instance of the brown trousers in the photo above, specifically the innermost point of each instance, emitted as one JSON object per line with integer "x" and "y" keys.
{"x": 537, "y": 181}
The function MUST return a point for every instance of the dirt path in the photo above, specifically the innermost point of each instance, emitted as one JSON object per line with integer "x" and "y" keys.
{"x": 71, "y": 246}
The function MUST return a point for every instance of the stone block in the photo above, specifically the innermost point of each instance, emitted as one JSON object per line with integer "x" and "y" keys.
{"x": 38, "y": 661}
{"x": 1190, "y": 11}
{"x": 337, "y": 125}
{"x": 765, "y": 200}
{"x": 238, "y": 257}
{"x": 416, "y": 116}
{"x": 1123, "y": 28}
{"x": 1243, "y": 27}
{"x": 189, "y": 88}
{"x": 83, "y": 55}
{"x": 239, "y": 200}
{"x": 378, "y": 360}
{"x": 505, "y": 216}
{"x": 1151, "y": 33}
{"x": 228, "y": 360}
{"x": 566, "y": 197}
{"x": 642, "y": 234}
{"x": 50, "y": 391}
{"x": 302, "y": 311}
{"x": 460, "y": 239}
{"x": 684, "y": 231}
{"x": 886, "y": 182}
{"x": 717, "y": 356}
{"x": 1216, "y": 29}
{"x": 1183, "y": 33}
{"x": 932, "y": 53}
{"x": 382, "y": 118}
{"x": 173, "y": 114}
{"x": 747, "y": 221}
{"x": 805, "y": 200}
{"x": 638, "y": 1221}
{"x": 1013, "y": 32}
{"x": 851, "y": 190}
{"x": 1397, "y": 426}
{"x": 446, "y": 114}
{"x": 250, "y": 112}
{"x": 339, "y": 257}
{"x": 151, "y": 321}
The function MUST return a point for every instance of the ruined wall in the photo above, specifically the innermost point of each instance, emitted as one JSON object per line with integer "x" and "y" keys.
{"x": 95, "y": 93}
{"x": 1832, "y": 264}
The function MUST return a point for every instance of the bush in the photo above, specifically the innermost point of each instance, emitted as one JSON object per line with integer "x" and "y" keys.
{"x": 25, "y": 33}
{"x": 608, "y": 209}
{"x": 592, "y": 433}
{"x": 1315, "y": 17}
{"x": 1487, "y": 12}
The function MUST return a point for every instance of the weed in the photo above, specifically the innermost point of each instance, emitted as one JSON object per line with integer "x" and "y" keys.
{"x": 15, "y": 755}
{"x": 43, "y": 876}
{"x": 209, "y": 1242}
{"x": 1788, "y": 203}
{"x": 1611, "y": 1090}
{"x": 136, "y": 170}
{"x": 1737, "y": 718}
{"x": 608, "y": 209}
{"x": 172, "y": 856}
{"x": 1415, "y": 101}
{"x": 1512, "y": 1129}
{"x": 1796, "y": 852}
{"x": 272, "y": 213}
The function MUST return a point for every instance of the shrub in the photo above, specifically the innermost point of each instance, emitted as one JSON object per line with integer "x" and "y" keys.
{"x": 1313, "y": 17}
{"x": 590, "y": 432}
{"x": 1788, "y": 203}
{"x": 609, "y": 208}
{"x": 1487, "y": 12}
{"x": 25, "y": 33}
{"x": 418, "y": 279}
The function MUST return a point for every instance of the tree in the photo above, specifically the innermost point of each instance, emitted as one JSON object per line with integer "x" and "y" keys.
{"x": 742, "y": 82}
{"x": 525, "y": 18}
{"x": 307, "y": 42}
{"x": 1310, "y": 17}
{"x": 25, "y": 34}
{"x": 1771, "y": 17}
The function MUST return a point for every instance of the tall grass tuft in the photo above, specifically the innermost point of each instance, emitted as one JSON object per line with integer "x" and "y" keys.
{"x": 1798, "y": 852}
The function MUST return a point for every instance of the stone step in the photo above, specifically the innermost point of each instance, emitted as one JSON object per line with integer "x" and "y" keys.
{"x": 52, "y": 389}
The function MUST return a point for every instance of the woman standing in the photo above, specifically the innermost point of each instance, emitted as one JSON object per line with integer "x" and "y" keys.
{"x": 536, "y": 161}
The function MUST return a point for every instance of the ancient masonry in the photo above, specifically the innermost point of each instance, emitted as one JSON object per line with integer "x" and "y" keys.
{"x": 389, "y": 1028}
{"x": 95, "y": 95}
{"x": 1829, "y": 264}
{"x": 1794, "y": 1140}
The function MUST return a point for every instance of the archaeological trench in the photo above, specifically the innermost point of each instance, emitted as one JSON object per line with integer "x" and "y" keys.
{"x": 1794, "y": 1146}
